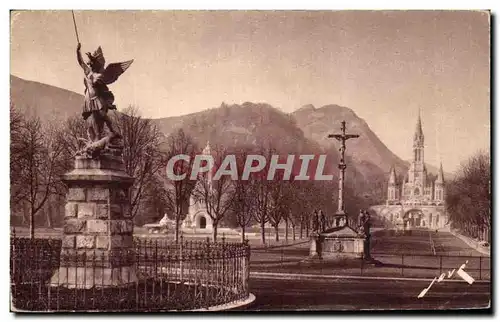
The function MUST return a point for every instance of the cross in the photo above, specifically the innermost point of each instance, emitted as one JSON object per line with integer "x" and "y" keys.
{"x": 343, "y": 137}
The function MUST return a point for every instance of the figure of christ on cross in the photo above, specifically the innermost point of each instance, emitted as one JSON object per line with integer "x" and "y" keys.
{"x": 342, "y": 137}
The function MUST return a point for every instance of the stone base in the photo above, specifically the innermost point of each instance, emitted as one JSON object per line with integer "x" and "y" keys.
{"x": 89, "y": 277}
{"x": 97, "y": 245}
{"x": 333, "y": 248}
{"x": 339, "y": 243}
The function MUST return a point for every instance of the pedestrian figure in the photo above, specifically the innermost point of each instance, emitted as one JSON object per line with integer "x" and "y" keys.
{"x": 361, "y": 221}
{"x": 315, "y": 221}
{"x": 322, "y": 218}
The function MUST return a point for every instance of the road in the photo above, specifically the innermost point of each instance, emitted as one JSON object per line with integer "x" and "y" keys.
{"x": 352, "y": 294}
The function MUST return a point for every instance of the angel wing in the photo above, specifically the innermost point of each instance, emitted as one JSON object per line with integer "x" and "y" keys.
{"x": 114, "y": 70}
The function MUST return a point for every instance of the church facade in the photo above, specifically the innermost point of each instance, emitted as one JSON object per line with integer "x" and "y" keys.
{"x": 418, "y": 200}
{"x": 197, "y": 220}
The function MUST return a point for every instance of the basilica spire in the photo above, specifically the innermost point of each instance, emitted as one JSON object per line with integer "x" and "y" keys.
{"x": 440, "y": 178}
{"x": 418, "y": 138}
{"x": 392, "y": 178}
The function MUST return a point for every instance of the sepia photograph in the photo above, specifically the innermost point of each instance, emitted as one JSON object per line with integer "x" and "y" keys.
{"x": 250, "y": 161}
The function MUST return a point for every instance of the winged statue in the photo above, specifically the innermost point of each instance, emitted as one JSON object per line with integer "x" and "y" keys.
{"x": 98, "y": 98}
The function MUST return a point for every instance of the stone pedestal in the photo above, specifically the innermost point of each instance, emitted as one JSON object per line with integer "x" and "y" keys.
{"x": 339, "y": 242}
{"x": 97, "y": 244}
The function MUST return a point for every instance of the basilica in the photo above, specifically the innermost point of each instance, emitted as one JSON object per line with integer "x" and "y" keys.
{"x": 418, "y": 200}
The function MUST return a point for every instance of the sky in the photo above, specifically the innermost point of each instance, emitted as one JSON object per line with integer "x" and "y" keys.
{"x": 384, "y": 65}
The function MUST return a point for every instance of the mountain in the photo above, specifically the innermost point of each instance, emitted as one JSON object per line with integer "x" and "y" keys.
{"x": 250, "y": 124}
{"x": 367, "y": 150}
{"x": 48, "y": 102}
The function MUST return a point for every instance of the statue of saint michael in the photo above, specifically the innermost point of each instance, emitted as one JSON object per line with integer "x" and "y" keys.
{"x": 98, "y": 98}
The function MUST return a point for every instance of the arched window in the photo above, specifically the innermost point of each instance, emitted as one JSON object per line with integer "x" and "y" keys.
{"x": 416, "y": 192}
{"x": 203, "y": 222}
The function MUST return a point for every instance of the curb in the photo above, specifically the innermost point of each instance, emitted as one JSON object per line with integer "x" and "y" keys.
{"x": 295, "y": 276}
{"x": 279, "y": 246}
{"x": 240, "y": 304}
{"x": 229, "y": 306}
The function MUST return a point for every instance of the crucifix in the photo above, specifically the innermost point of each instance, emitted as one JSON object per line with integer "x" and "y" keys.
{"x": 342, "y": 137}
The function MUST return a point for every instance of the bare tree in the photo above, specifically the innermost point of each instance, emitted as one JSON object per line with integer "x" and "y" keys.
{"x": 243, "y": 206}
{"x": 179, "y": 191}
{"x": 306, "y": 200}
{"x": 261, "y": 206}
{"x": 155, "y": 201}
{"x": 142, "y": 155}
{"x": 299, "y": 206}
{"x": 277, "y": 207}
{"x": 262, "y": 190}
{"x": 40, "y": 166}
{"x": 16, "y": 150}
{"x": 73, "y": 138}
{"x": 216, "y": 195}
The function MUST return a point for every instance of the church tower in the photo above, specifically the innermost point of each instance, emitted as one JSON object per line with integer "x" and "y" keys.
{"x": 417, "y": 173}
{"x": 208, "y": 151}
{"x": 439, "y": 186}
{"x": 392, "y": 187}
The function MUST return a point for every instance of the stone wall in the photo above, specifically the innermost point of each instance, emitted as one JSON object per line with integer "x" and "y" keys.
{"x": 97, "y": 218}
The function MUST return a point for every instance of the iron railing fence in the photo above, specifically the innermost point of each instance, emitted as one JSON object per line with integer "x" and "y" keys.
{"x": 428, "y": 265}
{"x": 381, "y": 264}
{"x": 154, "y": 275}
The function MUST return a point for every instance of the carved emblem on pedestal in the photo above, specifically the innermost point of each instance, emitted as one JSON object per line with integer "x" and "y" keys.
{"x": 338, "y": 247}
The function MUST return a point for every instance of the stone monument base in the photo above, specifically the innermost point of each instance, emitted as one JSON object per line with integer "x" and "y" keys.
{"x": 339, "y": 243}
{"x": 97, "y": 243}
